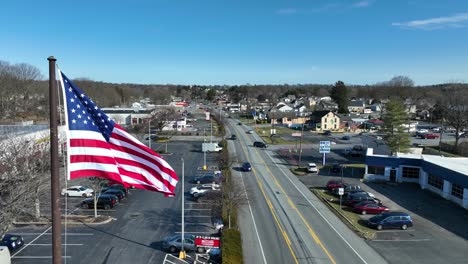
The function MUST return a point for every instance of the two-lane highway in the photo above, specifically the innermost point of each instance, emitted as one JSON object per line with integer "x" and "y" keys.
{"x": 292, "y": 225}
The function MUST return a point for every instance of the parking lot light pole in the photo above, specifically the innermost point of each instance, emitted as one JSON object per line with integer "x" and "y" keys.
{"x": 149, "y": 133}
{"x": 182, "y": 251}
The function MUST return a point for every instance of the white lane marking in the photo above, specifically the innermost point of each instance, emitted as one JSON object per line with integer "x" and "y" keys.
{"x": 25, "y": 246}
{"x": 189, "y": 232}
{"x": 198, "y": 216}
{"x": 73, "y": 234}
{"x": 398, "y": 231}
{"x": 193, "y": 209}
{"x": 38, "y": 257}
{"x": 51, "y": 244}
{"x": 323, "y": 217}
{"x": 401, "y": 240}
{"x": 251, "y": 214}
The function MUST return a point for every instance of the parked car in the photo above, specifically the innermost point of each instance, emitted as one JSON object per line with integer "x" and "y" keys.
{"x": 239, "y": 123}
{"x": 197, "y": 190}
{"x": 120, "y": 195}
{"x": 336, "y": 168}
{"x": 312, "y": 167}
{"x": 233, "y": 137}
{"x": 105, "y": 202}
{"x": 259, "y": 144}
{"x": 209, "y": 196}
{"x": 346, "y": 138}
{"x": 347, "y": 189}
{"x": 357, "y": 199}
{"x": 391, "y": 220}
{"x": 327, "y": 133}
{"x": 13, "y": 242}
{"x": 250, "y": 131}
{"x": 207, "y": 178}
{"x": 374, "y": 201}
{"x": 77, "y": 191}
{"x": 246, "y": 166}
{"x": 117, "y": 186}
{"x": 174, "y": 243}
{"x": 370, "y": 208}
{"x": 334, "y": 184}
{"x": 430, "y": 136}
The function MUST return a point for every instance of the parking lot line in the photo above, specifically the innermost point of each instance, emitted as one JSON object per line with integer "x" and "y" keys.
{"x": 197, "y": 216}
{"x": 25, "y": 246}
{"x": 402, "y": 240}
{"x": 193, "y": 209}
{"x": 68, "y": 234}
{"x": 38, "y": 257}
{"x": 195, "y": 232}
{"x": 51, "y": 244}
{"x": 391, "y": 231}
{"x": 99, "y": 210}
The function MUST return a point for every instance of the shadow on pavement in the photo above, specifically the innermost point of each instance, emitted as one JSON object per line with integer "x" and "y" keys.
{"x": 428, "y": 205}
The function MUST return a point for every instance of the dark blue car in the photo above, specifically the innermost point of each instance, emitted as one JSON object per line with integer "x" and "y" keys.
{"x": 391, "y": 220}
{"x": 13, "y": 242}
{"x": 246, "y": 166}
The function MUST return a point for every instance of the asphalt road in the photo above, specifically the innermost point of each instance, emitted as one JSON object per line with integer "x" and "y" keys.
{"x": 141, "y": 222}
{"x": 291, "y": 224}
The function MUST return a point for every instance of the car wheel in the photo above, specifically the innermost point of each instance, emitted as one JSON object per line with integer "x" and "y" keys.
{"x": 68, "y": 195}
{"x": 84, "y": 195}
{"x": 195, "y": 195}
{"x": 200, "y": 250}
{"x": 379, "y": 227}
{"x": 86, "y": 206}
{"x": 106, "y": 207}
{"x": 404, "y": 227}
{"x": 364, "y": 212}
{"x": 172, "y": 249}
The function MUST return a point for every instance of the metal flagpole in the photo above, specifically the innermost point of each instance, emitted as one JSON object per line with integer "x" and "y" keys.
{"x": 300, "y": 146}
{"x": 54, "y": 170}
{"x": 149, "y": 133}
{"x": 182, "y": 251}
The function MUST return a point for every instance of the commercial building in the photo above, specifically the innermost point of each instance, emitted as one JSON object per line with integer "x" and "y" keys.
{"x": 445, "y": 176}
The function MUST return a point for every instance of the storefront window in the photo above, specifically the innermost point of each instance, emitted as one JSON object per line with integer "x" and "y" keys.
{"x": 457, "y": 191}
{"x": 409, "y": 172}
{"x": 377, "y": 170}
{"x": 435, "y": 181}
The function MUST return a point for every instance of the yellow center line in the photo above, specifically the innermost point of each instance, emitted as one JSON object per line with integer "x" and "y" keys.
{"x": 311, "y": 231}
{"x": 283, "y": 232}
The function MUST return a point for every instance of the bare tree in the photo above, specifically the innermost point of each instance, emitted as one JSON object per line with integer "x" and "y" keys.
{"x": 233, "y": 197}
{"x": 24, "y": 164}
{"x": 455, "y": 110}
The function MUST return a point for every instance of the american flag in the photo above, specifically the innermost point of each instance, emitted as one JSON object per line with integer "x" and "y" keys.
{"x": 97, "y": 146}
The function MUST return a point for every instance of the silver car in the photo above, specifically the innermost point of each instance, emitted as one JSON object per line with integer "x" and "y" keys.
{"x": 174, "y": 243}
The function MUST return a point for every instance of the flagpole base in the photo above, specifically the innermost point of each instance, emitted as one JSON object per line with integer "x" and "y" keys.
{"x": 182, "y": 255}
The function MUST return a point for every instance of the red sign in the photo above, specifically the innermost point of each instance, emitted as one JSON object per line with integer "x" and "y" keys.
{"x": 211, "y": 242}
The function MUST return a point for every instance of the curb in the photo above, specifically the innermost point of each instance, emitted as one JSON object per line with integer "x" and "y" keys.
{"x": 75, "y": 222}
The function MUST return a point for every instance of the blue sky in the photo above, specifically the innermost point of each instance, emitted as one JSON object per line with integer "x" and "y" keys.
{"x": 243, "y": 41}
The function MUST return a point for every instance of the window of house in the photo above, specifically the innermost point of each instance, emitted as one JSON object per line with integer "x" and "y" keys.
{"x": 377, "y": 170}
{"x": 435, "y": 181}
{"x": 325, "y": 120}
{"x": 334, "y": 126}
{"x": 335, "y": 120}
{"x": 324, "y": 126}
{"x": 409, "y": 172}
{"x": 457, "y": 191}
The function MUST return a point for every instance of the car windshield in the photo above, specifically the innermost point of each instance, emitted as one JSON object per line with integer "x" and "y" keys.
{"x": 82, "y": 189}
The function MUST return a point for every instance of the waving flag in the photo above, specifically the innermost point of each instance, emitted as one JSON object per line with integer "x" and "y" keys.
{"x": 97, "y": 146}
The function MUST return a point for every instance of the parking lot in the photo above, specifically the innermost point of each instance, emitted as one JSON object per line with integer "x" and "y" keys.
{"x": 439, "y": 233}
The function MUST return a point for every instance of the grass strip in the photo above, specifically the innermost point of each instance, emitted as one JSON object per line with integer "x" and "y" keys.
{"x": 231, "y": 247}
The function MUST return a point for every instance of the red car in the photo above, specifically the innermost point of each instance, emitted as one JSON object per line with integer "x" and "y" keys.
{"x": 430, "y": 136}
{"x": 333, "y": 184}
{"x": 370, "y": 209}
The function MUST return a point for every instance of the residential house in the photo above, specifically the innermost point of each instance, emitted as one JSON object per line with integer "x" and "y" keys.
{"x": 356, "y": 106}
{"x": 324, "y": 120}
{"x": 282, "y": 107}
{"x": 326, "y": 105}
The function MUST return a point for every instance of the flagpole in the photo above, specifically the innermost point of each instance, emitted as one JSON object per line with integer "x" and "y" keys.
{"x": 54, "y": 168}
{"x": 182, "y": 251}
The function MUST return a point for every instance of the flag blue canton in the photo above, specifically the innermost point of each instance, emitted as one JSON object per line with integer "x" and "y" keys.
{"x": 83, "y": 113}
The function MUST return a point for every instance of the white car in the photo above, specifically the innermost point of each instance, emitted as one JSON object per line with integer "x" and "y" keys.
{"x": 312, "y": 167}
{"x": 250, "y": 131}
{"x": 77, "y": 191}
{"x": 197, "y": 190}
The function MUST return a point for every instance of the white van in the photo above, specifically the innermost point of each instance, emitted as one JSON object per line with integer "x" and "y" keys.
{"x": 5, "y": 255}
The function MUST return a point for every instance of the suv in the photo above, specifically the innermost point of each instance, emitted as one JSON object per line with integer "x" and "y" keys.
{"x": 391, "y": 220}
{"x": 104, "y": 201}
{"x": 312, "y": 167}
{"x": 347, "y": 189}
{"x": 233, "y": 137}
{"x": 208, "y": 178}
{"x": 259, "y": 144}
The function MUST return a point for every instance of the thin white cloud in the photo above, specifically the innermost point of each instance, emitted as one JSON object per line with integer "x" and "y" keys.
{"x": 287, "y": 11}
{"x": 455, "y": 21}
{"x": 362, "y": 4}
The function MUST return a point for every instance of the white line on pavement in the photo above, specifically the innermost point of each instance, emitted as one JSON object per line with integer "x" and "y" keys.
{"x": 197, "y": 216}
{"x": 51, "y": 244}
{"x": 194, "y": 232}
{"x": 73, "y": 234}
{"x": 401, "y": 240}
{"x": 21, "y": 249}
{"x": 197, "y": 209}
{"x": 38, "y": 257}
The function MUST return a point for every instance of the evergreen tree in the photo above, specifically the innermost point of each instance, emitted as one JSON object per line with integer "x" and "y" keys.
{"x": 394, "y": 118}
{"x": 339, "y": 94}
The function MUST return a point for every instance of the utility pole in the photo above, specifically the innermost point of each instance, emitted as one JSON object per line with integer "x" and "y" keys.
{"x": 204, "y": 152}
{"x": 182, "y": 251}
{"x": 300, "y": 146}
{"x": 149, "y": 133}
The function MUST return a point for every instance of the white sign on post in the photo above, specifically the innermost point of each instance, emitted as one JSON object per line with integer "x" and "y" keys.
{"x": 340, "y": 191}
{"x": 324, "y": 147}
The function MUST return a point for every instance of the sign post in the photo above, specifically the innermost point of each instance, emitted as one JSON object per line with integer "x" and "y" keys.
{"x": 324, "y": 148}
{"x": 340, "y": 192}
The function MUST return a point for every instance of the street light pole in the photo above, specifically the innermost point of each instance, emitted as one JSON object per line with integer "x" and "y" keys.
{"x": 300, "y": 146}
{"x": 149, "y": 133}
{"x": 182, "y": 251}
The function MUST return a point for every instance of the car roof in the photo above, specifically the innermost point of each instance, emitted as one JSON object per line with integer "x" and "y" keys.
{"x": 76, "y": 186}
{"x": 395, "y": 213}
